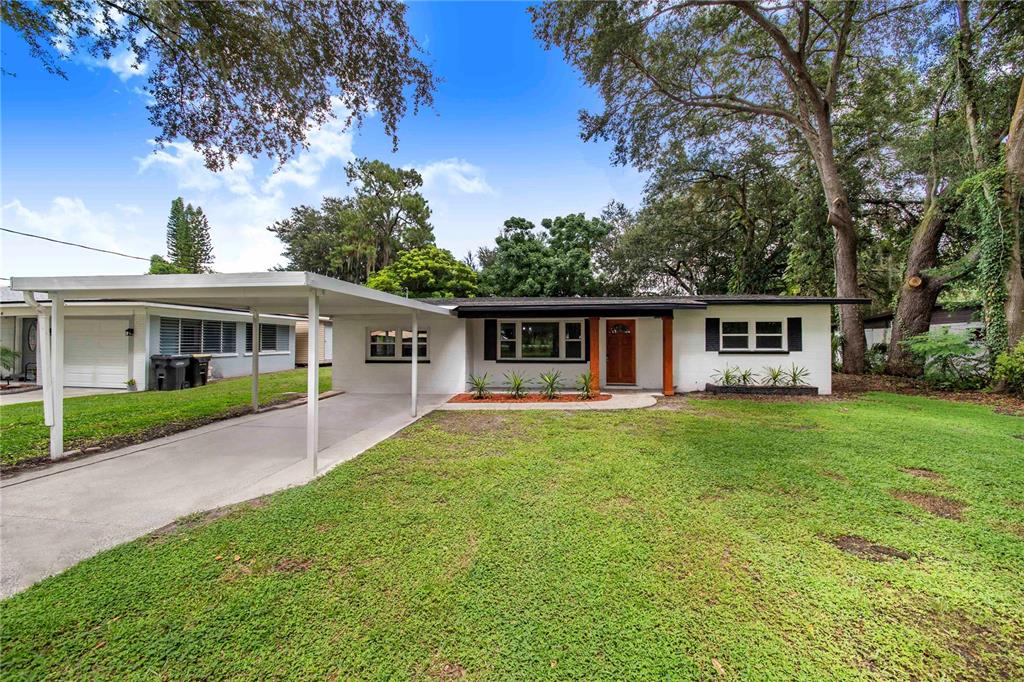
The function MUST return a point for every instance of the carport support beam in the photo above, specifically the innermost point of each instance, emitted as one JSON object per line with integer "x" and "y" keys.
{"x": 313, "y": 379}
{"x": 57, "y": 376}
{"x": 415, "y": 362}
{"x": 255, "y": 359}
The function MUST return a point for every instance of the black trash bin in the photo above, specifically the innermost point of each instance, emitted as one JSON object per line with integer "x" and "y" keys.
{"x": 169, "y": 371}
{"x": 199, "y": 370}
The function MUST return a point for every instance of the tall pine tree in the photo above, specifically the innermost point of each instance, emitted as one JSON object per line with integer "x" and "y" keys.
{"x": 189, "y": 247}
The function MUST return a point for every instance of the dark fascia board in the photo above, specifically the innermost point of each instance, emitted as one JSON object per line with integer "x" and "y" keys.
{"x": 782, "y": 300}
{"x": 546, "y": 311}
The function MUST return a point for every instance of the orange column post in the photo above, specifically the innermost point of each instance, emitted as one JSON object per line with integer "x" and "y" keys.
{"x": 667, "y": 383}
{"x": 595, "y": 355}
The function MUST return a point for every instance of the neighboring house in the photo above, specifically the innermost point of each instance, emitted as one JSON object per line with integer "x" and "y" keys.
{"x": 663, "y": 344}
{"x": 878, "y": 328}
{"x": 109, "y": 342}
{"x": 325, "y": 347}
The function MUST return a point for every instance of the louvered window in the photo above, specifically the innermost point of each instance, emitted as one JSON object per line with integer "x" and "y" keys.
{"x": 186, "y": 336}
{"x": 273, "y": 337}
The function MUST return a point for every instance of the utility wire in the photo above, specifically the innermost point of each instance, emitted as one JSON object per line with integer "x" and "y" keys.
{"x": 81, "y": 246}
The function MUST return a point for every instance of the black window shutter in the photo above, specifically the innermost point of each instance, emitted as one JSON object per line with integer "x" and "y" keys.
{"x": 795, "y": 333}
{"x": 490, "y": 339}
{"x": 586, "y": 340}
{"x": 712, "y": 339}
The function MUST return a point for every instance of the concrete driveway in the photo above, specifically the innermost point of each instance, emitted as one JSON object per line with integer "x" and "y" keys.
{"x": 53, "y": 518}
{"x": 69, "y": 392}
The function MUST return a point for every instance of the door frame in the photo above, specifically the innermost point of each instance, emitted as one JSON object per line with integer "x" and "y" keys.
{"x": 630, "y": 378}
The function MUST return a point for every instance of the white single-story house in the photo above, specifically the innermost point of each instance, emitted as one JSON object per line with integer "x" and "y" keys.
{"x": 878, "y": 328}
{"x": 108, "y": 343}
{"x": 384, "y": 343}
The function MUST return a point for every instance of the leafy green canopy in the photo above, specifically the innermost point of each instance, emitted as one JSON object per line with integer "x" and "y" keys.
{"x": 558, "y": 261}
{"x": 426, "y": 272}
{"x": 243, "y": 78}
{"x": 351, "y": 238}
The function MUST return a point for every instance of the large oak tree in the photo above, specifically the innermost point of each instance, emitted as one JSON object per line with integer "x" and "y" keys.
{"x": 700, "y": 70}
{"x": 243, "y": 78}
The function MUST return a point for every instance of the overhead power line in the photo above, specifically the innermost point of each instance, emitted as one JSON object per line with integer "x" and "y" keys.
{"x": 81, "y": 246}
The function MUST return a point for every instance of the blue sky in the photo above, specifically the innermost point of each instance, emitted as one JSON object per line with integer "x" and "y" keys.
{"x": 503, "y": 139}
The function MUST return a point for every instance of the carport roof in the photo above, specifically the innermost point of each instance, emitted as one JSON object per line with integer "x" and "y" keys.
{"x": 269, "y": 292}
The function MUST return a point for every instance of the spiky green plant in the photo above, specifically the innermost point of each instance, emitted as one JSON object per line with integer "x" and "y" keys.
{"x": 797, "y": 376}
{"x": 550, "y": 384}
{"x": 481, "y": 385}
{"x": 773, "y": 376}
{"x": 583, "y": 386}
{"x": 516, "y": 384}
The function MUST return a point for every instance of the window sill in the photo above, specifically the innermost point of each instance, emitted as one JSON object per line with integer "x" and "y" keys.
{"x": 395, "y": 362}
{"x": 764, "y": 351}
{"x": 535, "y": 361}
{"x": 268, "y": 352}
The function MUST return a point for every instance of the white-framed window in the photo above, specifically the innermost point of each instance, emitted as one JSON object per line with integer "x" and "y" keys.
{"x": 768, "y": 335}
{"x": 187, "y": 336}
{"x": 753, "y": 335}
{"x": 273, "y": 337}
{"x": 394, "y": 344}
{"x": 540, "y": 340}
{"x": 735, "y": 335}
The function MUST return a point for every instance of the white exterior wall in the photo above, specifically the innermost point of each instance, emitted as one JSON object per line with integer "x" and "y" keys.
{"x": 444, "y": 371}
{"x": 694, "y": 366}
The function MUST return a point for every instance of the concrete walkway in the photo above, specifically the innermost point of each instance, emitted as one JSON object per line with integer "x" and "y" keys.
{"x": 36, "y": 396}
{"x": 618, "y": 401}
{"x": 53, "y": 518}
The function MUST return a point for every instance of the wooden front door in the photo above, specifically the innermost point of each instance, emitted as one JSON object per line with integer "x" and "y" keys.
{"x": 620, "y": 351}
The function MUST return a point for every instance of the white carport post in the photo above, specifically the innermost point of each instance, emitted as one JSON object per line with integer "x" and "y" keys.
{"x": 313, "y": 379}
{"x": 57, "y": 376}
{"x": 415, "y": 361}
{"x": 255, "y": 359}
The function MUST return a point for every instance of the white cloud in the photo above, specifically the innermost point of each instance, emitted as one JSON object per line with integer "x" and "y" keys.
{"x": 328, "y": 143}
{"x": 129, "y": 209}
{"x": 181, "y": 160}
{"x": 455, "y": 175}
{"x": 70, "y": 219}
{"x": 125, "y": 66}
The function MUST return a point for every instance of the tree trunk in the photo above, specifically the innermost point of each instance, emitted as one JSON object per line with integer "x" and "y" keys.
{"x": 841, "y": 219}
{"x": 918, "y": 293}
{"x": 1014, "y": 186}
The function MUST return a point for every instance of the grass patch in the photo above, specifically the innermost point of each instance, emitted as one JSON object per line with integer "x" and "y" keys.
{"x": 115, "y": 419}
{"x": 716, "y": 541}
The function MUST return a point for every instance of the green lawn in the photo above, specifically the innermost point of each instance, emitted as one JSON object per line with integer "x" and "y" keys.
{"x": 120, "y": 418}
{"x": 654, "y": 544}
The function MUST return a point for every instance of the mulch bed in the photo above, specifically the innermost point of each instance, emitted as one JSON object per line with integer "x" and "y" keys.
{"x": 529, "y": 398}
{"x": 854, "y": 384}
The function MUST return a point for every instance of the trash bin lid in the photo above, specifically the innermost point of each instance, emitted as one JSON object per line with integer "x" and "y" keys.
{"x": 163, "y": 358}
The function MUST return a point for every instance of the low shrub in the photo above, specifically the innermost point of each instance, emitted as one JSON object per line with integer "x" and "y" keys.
{"x": 875, "y": 358}
{"x": 734, "y": 376}
{"x": 773, "y": 376}
{"x": 550, "y": 384}
{"x": 952, "y": 361}
{"x": 583, "y": 386}
{"x": 481, "y": 385}
{"x": 516, "y": 384}
{"x": 1009, "y": 369}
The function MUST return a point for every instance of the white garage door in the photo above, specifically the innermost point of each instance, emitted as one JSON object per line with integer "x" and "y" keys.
{"x": 96, "y": 352}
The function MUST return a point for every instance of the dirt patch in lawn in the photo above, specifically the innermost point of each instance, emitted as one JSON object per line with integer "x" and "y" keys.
{"x": 472, "y": 423}
{"x": 292, "y": 565}
{"x": 933, "y": 504}
{"x": 848, "y": 385}
{"x": 865, "y": 549}
{"x": 445, "y": 671}
{"x": 205, "y": 518}
{"x": 835, "y": 476}
{"x": 922, "y": 473}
